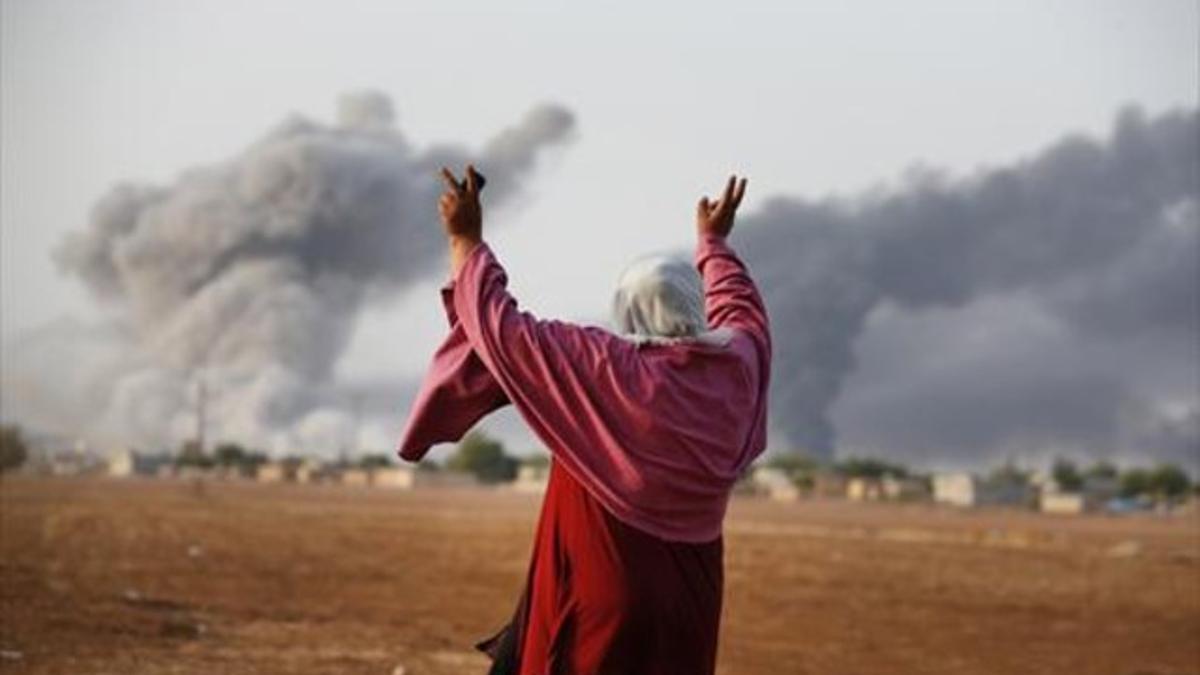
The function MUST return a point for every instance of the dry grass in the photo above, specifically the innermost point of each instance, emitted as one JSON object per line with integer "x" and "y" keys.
{"x": 106, "y": 576}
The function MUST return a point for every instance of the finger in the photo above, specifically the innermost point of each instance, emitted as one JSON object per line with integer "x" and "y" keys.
{"x": 727, "y": 196}
{"x": 702, "y": 206}
{"x": 451, "y": 181}
{"x": 472, "y": 180}
{"x": 480, "y": 179}
{"x": 739, "y": 193}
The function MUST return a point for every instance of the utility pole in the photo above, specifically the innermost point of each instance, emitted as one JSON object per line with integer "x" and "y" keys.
{"x": 201, "y": 411}
{"x": 356, "y": 403}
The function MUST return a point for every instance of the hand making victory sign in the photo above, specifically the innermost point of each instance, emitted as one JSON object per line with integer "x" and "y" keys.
{"x": 462, "y": 216}
{"x": 716, "y": 218}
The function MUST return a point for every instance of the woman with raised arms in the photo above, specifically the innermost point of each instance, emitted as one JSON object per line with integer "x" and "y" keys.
{"x": 649, "y": 425}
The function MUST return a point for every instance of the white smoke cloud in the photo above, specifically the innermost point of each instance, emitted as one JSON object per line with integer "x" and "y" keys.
{"x": 250, "y": 274}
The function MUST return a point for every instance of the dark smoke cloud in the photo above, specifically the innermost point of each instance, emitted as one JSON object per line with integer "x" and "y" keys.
{"x": 1050, "y": 306}
{"x": 253, "y": 271}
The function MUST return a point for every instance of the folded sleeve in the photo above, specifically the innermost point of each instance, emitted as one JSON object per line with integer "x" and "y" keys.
{"x": 456, "y": 392}
{"x": 574, "y": 385}
{"x": 731, "y": 299}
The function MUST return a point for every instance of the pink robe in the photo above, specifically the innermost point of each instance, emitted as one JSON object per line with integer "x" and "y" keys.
{"x": 626, "y": 575}
{"x": 604, "y": 598}
{"x": 657, "y": 432}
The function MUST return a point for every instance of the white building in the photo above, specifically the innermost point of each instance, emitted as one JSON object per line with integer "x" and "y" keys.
{"x": 861, "y": 489}
{"x": 270, "y": 472}
{"x": 532, "y": 478}
{"x": 965, "y": 489}
{"x": 904, "y": 489}
{"x": 1063, "y": 503}
{"x": 397, "y": 477}
{"x": 1092, "y": 496}
{"x": 307, "y": 471}
{"x": 957, "y": 489}
{"x": 128, "y": 463}
{"x": 775, "y": 483}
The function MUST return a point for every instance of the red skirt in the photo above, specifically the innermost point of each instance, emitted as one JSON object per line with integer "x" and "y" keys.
{"x": 603, "y": 597}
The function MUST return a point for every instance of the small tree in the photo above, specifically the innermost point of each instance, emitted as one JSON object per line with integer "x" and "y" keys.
{"x": 229, "y": 455}
{"x": 1102, "y": 471}
{"x": 1067, "y": 475}
{"x": 869, "y": 467}
{"x": 1009, "y": 473}
{"x": 537, "y": 460}
{"x": 191, "y": 455}
{"x": 1135, "y": 482}
{"x": 1168, "y": 480}
{"x": 483, "y": 456}
{"x": 800, "y": 469}
{"x": 13, "y": 449}
{"x": 234, "y": 456}
{"x": 374, "y": 461}
{"x": 254, "y": 460}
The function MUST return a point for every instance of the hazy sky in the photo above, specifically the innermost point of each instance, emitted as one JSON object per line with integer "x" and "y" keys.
{"x": 805, "y": 98}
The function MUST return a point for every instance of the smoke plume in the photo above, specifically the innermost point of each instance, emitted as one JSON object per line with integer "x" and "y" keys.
{"x": 250, "y": 273}
{"x": 1049, "y": 306}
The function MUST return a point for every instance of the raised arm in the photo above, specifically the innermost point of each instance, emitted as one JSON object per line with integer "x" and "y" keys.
{"x": 731, "y": 299}
{"x": 457, "y": 389}
{"x": 569, "y": 382}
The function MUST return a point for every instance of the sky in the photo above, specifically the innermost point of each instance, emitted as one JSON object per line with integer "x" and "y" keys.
{"x": 807, "y": 99}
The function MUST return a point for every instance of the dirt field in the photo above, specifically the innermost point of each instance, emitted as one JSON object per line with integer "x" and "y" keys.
{"x": 105, "y": 576}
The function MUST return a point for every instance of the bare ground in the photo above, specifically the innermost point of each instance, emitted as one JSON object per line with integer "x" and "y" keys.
{"x": 105, "y": 576}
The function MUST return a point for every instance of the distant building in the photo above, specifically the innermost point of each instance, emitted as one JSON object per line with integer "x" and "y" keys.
{"x": 904, "y": 489}
{"x": 864, "y": 489}
{"x": 412, "y": 477}
{"x": 356, "y": 477}
{"x": 306, "y": 471}
{"x": 1099, "y": 490}
{"x": 891, "y": 488}
{"x": 290, "y": 470}
{"x": 129, "y": 463}
{"x": 391, "y": 477}
{"x": 957, "y": 489}
{"x": 1094, "y": 495}
{"x": 1066, "y": 503}
{"x": 398, "y": 477}
{"x": 445, "y": 479}
{"x": 62, "y": 456}
{"x": 532, "y": 478}
{"x": 122, "y": 464}
{"x": 965, "y": 489}
{"x": 321, "y": 472}
{"x": 272, "y": 472}
{"x": 775, "y": 483}
{"x": 190, "y": 472}
{"x": 829, "y": 485}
